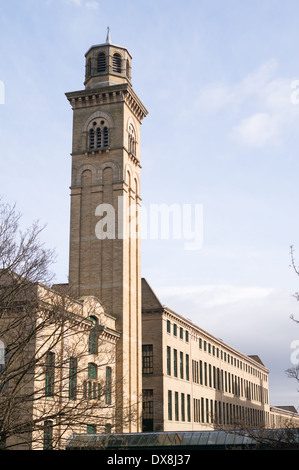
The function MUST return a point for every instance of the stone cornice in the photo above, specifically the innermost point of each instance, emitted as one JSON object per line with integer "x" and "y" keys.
{"x": 108, "y": 94}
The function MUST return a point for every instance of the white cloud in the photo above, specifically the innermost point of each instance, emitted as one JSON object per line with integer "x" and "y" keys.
{"x": 257, "y": 130}
{"x": 259, "y": 108}
{"x": 77, "y": 3}
{"x": 93, "y": 5}
{"x": 210, "y": 296}
{"x": 90, "y": 5}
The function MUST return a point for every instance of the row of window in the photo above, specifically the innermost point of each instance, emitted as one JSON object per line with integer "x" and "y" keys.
{"x": 179, "y": 367}
{"x": 214, "y": 351}
{"x": 99, "y": 137}
{"x": 207, "y": 375}
{"x": 177, "y": 331}
{"x": 229, "y": 358}
{"x": 91, "y": 387}
{"x": 99, "y": 65}
{"x": 211, "y": 411}
{"x": 211, "y": 376}
{"x": 49, "y": 428}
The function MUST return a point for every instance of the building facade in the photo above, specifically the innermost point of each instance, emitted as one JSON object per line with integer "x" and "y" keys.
{"x": 193, "y": 380}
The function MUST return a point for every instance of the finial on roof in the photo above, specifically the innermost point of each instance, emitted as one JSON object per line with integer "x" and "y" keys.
{"x": 108, "y": 39}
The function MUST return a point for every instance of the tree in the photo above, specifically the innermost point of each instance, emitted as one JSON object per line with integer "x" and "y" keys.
{"x": 293, "y": 372}
{"x": 57, "y": 354}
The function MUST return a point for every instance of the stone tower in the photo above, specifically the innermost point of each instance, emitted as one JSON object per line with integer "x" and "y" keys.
{"x": 105, "y": 200}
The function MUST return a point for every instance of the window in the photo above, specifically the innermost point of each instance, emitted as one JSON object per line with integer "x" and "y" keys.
{"x": 101, "y": 62}
{"x": 188, "y": 408}
{"x": 99, "y": 138}
{"x": 106, "y": 136}
{"x": 168, "y": 326}
{"x": 132, "y": 140}
{"x": 169, "y": 405}
{"x": 168, "y": 360}
{"x": 3, "y": 364}
{"x": 147, "y": 359}
{"x": 93, "y": 337}
{"x": 176, "y": 406}
{"x": 91, "y": 139}
{"x": 116, "y": 63}
{"x": 187, "y": 366}
{"x": 98, "y": 135}
{"x": 182, "y": 406}
{"x": 73, "y": 378}
{"x": 2, "y": 355}
{"x": 175, "y": 363}
{"x": 147, "y": 404}
{"x": 108, "y": 428}
{"x": 91, "y": 429}
{"x": 50, "y": 373}
{"x": 48, "y": 435}
{"x": 91, "y": 388}
{"x": 174, "y": 329}
{"x": 108, "y": 385}
{"x": 181, "y": 365}
{"x": 92, "y": 371}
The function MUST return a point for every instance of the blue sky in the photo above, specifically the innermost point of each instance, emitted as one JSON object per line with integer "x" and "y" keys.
{"x": 222, "y": 131}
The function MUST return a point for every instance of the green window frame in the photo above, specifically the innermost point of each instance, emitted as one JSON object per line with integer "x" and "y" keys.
{"x": 169, "y": 405}
{"x": 92, "y": 371}
{"x": 93, "y": 337}
{"x": 188, "y": 408}
{"x": 73, "y": 367}
{"x": 168, "y": 360}
{"x": 48, "y": 435}
{"x": 50, "y": 374}
{"x": 176, "y": 406}
{"x": 91, "y": 429}
{"x": 175, "y": 363}
{"x": 187, "y": 367}
{"x": 108, "y": 385}
{"x": 182, "y": 406}
{"x": 181, "y": 365}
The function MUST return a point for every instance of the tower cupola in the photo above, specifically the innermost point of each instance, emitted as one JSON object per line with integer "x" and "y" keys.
{"x": 107, "y": 64}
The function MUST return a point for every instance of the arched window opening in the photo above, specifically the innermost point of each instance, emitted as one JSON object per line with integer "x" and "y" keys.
{"x": 132, "y": 140}
{"x": 98, "y": 136}
{"x": 93, "y": 337}
{"x": 116, "y": 62}
{"x": 101, "y": 62}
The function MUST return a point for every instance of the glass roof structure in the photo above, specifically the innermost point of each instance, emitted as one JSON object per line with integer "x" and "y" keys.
{"x": 190, "y": 439}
